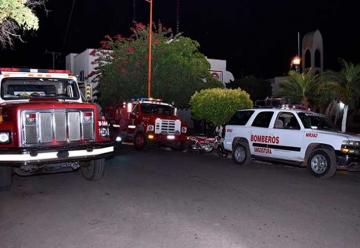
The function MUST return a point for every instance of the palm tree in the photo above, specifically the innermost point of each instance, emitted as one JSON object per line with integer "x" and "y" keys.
{"x": 300, "y": 87}
{"x": 346, "y": 86}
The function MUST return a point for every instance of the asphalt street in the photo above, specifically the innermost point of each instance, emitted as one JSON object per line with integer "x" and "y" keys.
{"x": 165, "y": 199}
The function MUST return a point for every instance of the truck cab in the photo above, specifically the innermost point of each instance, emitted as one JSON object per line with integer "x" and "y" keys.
{"x": 147, "y": 120}
{"x": 46, "y": 127}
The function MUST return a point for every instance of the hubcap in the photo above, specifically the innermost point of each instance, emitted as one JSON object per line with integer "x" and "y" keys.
{"x": 319, "y": 164}
{"x": 240, "y": 154}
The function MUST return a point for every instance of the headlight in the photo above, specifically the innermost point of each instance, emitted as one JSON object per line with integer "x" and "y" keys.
{"x": 4, "y": 137}
{"x": 150, "y": 128}
{"x": 351, "y": 143}
{"x": 104, "y": 131}
{"x": 183, "y": 129}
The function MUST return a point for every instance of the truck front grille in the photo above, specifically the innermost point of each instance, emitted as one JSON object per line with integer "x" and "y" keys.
{"x": 167, "y": 126}
{"x": 56, "y": 126}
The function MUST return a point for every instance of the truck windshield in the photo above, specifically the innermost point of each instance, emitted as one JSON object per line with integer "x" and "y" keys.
{"x": 316, "y": 121}
{"x": 157, "y": 109}
{"x": 25, "y": 88}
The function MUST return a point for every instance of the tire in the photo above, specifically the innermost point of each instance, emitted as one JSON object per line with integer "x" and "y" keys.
{"x": 5, "y": 178}
{"x": 178, "y": 146}
{"x": 241, "y": 153}
{"x": 208, "y": 149}
{"x": 139, "y": 141}
{"x": 93, "y": 169}
{"x": 322, "y": 163}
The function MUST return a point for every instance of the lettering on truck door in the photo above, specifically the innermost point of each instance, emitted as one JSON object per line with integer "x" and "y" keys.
{"x": 290, "y": 137}
{"x": 259, "y": 135}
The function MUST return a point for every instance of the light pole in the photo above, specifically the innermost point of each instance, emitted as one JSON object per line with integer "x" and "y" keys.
{"x": 150, "y": 48}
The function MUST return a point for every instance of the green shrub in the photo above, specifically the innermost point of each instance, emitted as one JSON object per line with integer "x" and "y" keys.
{"x": 217, "y": 105}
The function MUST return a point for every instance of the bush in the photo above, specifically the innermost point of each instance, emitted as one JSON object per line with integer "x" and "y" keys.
{"x": 218, "y": 105}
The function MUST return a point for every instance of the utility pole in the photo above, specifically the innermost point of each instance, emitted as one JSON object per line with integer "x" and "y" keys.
{"x": 54, "y": 56}
{"x": 177, "y": 16}
{"x": 134, "y": 11}
{"x": 150, "y": 48}
{"x": 299, "y": 52}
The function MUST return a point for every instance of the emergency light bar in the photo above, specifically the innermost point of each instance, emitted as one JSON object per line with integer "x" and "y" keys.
{"x": 143, "y": 99}
{"x": 8, "y": 69}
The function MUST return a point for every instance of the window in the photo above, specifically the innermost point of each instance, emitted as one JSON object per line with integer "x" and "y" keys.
{"x": 240, "y": 118}
{"x": 157, "y": 109}
{"x": 307, "y": 59}
{"x": 263, "y": 119}
{"x": 317, "y": 58}
{"x": 136, "y": 109}
{"x": 25, "y": 88}
{"x": 316, "y": 121}
{"x": 82, "y": 76}
{"x": 286, "y": 120}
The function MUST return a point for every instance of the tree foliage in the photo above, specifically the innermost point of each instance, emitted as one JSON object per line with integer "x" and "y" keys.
{"x": 258, "y": 88}
{"x": 300, "y": 87}
{"x": 345, "y": 84}
{"x": 16, "y": 15}
{"x": 179, "y": 69}
{"x": 218, "y": 105}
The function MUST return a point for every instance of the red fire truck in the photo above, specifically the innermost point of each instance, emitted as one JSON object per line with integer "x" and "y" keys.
{"x": 45, "y": 126}
{"x": 146, "y": 120}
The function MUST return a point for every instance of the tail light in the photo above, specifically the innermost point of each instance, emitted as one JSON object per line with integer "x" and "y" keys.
{"x": 30, "y": 119}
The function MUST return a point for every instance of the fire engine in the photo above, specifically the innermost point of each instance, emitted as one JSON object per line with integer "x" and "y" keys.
{"x": 292, "y": 136}
{"x": 146, "y": 120}
{"x": 45, "y": 126}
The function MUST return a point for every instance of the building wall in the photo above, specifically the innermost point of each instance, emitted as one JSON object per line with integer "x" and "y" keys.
{"x": 218, "y": 70}
{"x": 81, "y": 64}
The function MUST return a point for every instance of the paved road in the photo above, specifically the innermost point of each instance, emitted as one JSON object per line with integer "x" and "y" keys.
{"x": 163, "y": 199}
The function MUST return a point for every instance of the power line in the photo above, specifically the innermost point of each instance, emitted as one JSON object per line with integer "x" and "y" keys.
{"x": 68, "y": 23}
{"x": 54, "y": 56}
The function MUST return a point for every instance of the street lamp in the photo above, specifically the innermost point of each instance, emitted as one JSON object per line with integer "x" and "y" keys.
{"x": 150, "y": 48}
{"x": 296, "y": 62}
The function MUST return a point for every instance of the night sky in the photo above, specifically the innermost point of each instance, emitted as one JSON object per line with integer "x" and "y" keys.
{"x": 256, "y": 37}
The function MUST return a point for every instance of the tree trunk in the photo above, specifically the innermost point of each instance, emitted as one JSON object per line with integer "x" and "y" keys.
{"x": 305, "y": 102}
{"x": 344, "y": 118}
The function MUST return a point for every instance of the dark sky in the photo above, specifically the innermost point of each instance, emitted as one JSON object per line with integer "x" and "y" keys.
{"x": 256, "y": 37}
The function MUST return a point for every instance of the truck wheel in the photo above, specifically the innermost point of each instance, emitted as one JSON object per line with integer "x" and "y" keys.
{"x": 241, "y": 153}
{"x": 93, "y": 169}
{"x": 139, "y": 141}
{"x": 5, "y": 178}
{"x": 322, "y": 163}
{"x": 178, "y": 146}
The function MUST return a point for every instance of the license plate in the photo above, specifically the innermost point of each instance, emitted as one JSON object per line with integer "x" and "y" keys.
{"x": 63, "y": 154}
{"x": 171, "y": 137}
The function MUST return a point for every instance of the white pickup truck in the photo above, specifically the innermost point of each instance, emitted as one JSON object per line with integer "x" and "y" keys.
{"x": 291, "y": 135}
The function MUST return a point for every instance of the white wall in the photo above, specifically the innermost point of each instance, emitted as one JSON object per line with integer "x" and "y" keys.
{"x": 81, "y": 64}
{"x": 218, "y": 70}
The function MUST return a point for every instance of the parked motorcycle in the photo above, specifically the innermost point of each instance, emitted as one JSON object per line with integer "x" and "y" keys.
{"x": 207, "y": 145}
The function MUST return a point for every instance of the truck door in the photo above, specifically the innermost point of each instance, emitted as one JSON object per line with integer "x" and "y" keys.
{"x": 133, "y": 116}
{"x": 290, "y": 137}
{"x": 259, "y": 134}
